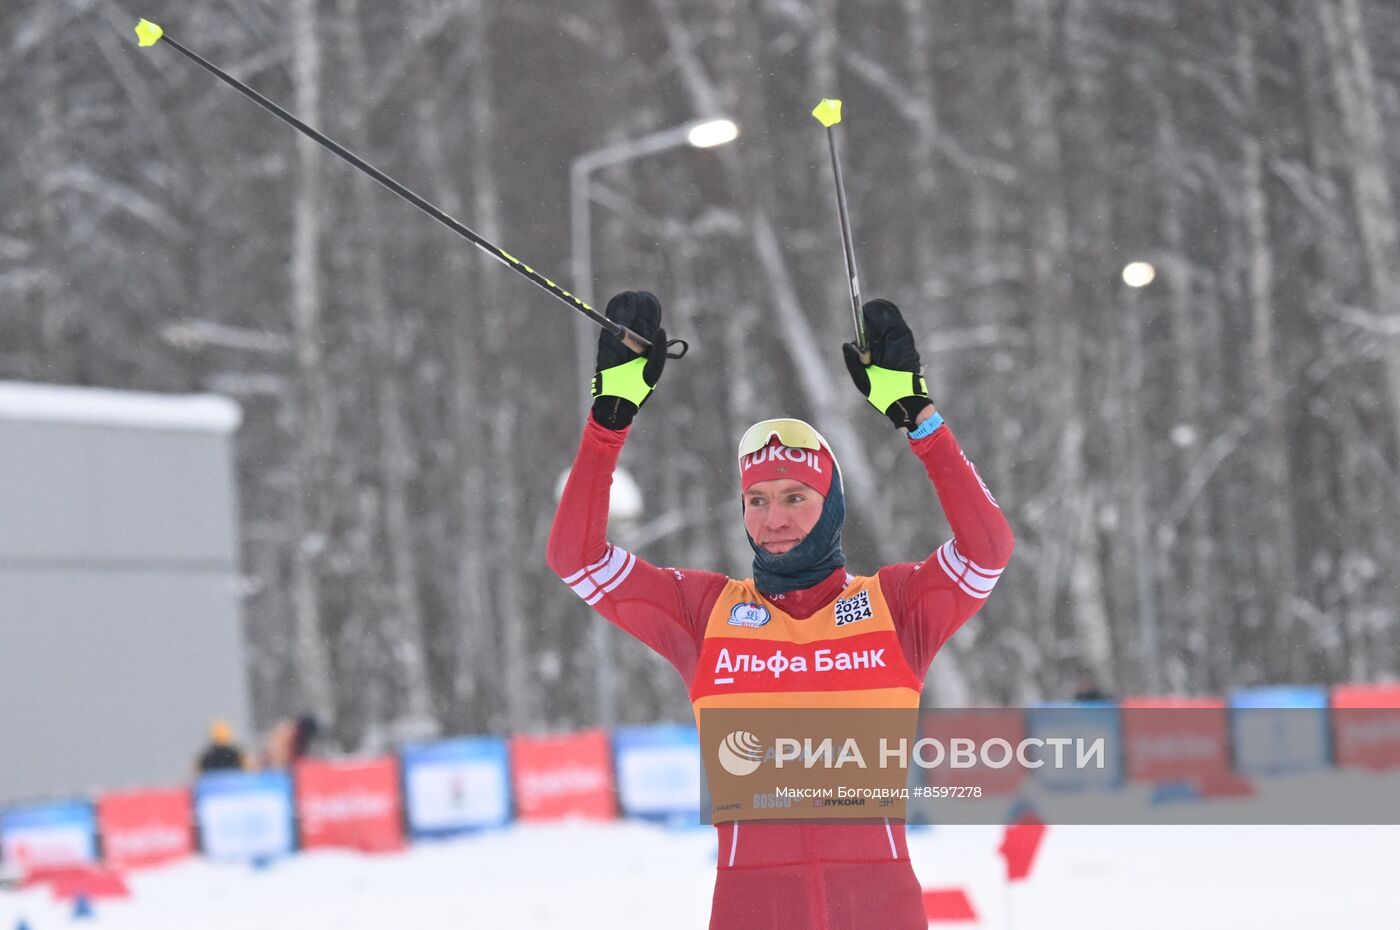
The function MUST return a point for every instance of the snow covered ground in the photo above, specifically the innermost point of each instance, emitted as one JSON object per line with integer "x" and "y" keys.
{"x": 628, "y": 875}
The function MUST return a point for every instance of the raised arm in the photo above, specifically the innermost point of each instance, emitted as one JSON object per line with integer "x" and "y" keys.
{"x": 664, "y": 608}
{"x": 933, "y": 598}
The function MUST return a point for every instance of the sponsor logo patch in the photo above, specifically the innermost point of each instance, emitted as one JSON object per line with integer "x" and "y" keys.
{"x": 851, "y": 609}
{"x": 749, "y": 614}
{"x": 778, "y": 453}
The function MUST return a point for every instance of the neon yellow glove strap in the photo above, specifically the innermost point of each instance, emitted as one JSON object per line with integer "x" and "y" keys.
{"x": 888, "y": 386}
{"x": 623, "y": 381}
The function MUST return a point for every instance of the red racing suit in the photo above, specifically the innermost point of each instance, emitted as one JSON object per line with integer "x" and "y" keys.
{"x": 797, "y": 875}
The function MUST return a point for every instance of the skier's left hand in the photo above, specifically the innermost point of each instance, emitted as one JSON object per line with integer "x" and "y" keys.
{"x": 893, "y": 381}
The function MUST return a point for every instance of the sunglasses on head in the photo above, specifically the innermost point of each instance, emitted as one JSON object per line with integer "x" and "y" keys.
{"x": 795, "y": 434}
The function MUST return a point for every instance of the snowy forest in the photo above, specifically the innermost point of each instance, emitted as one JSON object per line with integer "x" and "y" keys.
{"x": 1209, "y": 461}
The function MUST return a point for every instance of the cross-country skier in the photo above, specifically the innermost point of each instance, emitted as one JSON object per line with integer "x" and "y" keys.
{"x": 791, "y": 874}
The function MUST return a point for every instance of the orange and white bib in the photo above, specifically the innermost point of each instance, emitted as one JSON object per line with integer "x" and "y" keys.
{"x": 845, "y": 655}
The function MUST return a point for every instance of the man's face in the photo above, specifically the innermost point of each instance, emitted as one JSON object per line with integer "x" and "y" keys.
{"x": 780, "y": 513}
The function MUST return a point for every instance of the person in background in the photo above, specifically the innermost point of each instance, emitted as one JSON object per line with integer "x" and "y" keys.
{"x": 290, "y": 741}
{"x": 222, "y": 754}
{"x": 1088, "y": 690}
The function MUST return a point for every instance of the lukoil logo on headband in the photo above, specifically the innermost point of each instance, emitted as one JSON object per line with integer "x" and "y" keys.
{"x": 779, "y": 453}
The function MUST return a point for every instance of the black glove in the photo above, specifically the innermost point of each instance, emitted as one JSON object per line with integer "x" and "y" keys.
{"x": 623, "y": 379}
{"x": 892, "y": 382}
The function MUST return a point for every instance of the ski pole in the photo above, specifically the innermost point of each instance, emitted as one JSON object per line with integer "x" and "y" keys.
{"x": 148, "y": 33}
{"x": 828, "y": 113}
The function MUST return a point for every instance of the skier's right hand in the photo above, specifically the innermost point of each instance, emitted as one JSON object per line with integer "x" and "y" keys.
{"x": 623, "y": 379}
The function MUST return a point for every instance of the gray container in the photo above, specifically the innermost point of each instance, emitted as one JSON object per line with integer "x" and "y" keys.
{"x": 120, "y": 622}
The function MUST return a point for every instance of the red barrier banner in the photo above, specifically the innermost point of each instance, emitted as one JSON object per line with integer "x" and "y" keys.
{"x": 564, "y": 776}
{"x": 1366, "y": 726}
{"x": 1176, "y": 739}
{"x": 1171, "y": 703}
{"x": 945, "y": 731}
{"x": 87, "y": 881}
{"x": 142, "y": 828}
{"x": 350, "y": 805}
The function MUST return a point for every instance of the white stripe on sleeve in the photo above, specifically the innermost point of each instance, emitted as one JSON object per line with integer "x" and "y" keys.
{"x": 607, "y": 554}
{"x": 973, "y": 579}
{"x": 602, "y": 576}
{"x": 617, "y": 579}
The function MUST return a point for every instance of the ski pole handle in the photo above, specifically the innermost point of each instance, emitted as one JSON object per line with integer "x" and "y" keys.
{"x": 632, "y": 341}
{"x": 644, "y": 346}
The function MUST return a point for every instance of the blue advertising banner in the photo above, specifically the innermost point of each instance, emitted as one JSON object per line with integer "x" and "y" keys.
{"x": 1082, "y": 745}
{"x": 1280, "y": 730}
{"x": 245, "y": 816}
{"x": 659, "y": 774}
{"x": 49, "y": 835}
{"x": 456, "y": 785}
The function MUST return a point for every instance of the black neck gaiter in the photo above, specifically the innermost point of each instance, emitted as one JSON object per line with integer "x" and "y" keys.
{"x": 817, "y": 556}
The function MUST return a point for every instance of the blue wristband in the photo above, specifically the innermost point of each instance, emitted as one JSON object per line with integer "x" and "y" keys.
{"x": 928, "y": 427}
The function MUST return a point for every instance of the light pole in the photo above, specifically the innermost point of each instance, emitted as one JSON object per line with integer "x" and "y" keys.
{"x": 1138, "y": 275}
{"x": 702, "y": 134}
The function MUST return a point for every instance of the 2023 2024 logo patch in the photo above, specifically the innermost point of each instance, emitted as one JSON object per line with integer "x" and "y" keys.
{"x": 851, "y": 609}
{"x": 749, "y": 614}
